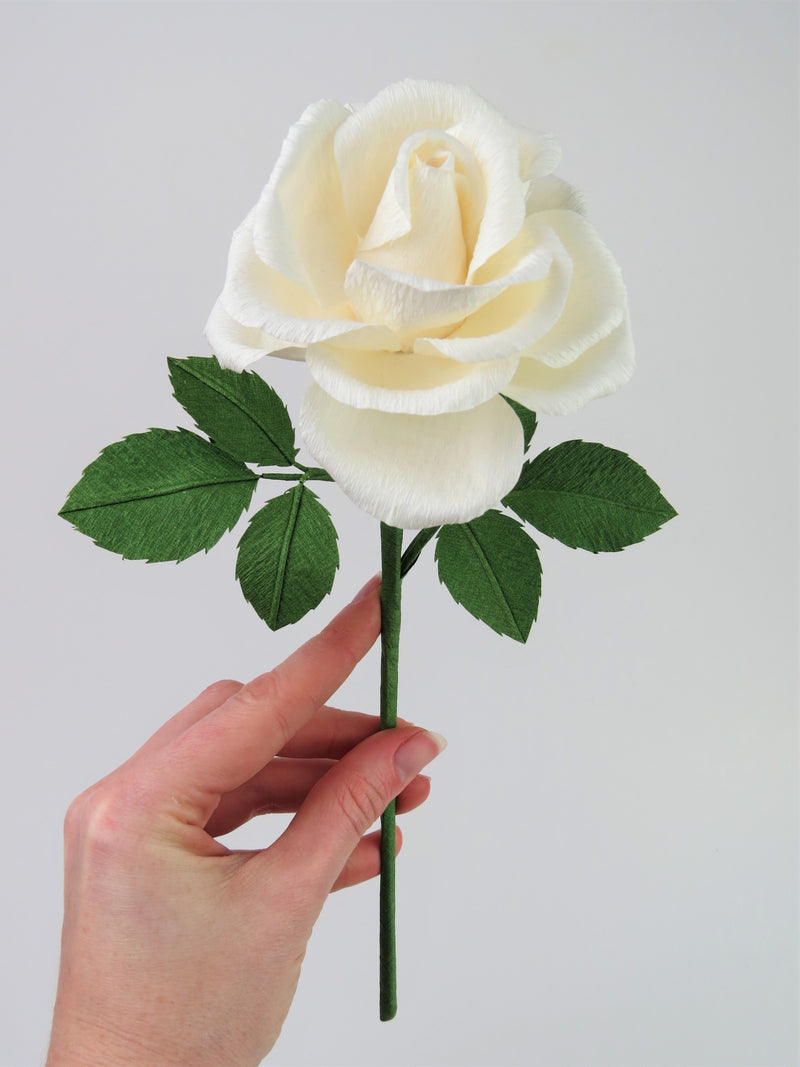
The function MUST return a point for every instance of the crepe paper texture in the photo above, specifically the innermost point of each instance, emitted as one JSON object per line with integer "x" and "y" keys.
{"x": 422, "y": 256}
{"x": 444, "y": 289}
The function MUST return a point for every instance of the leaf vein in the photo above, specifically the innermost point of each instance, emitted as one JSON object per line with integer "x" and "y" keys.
{"x": 639, "y": 508}
{"x": 154, "y": 496}
{"x": 493, "y": 582}
{"x": 283, "y": 558}
{"x": 215, "y": 386}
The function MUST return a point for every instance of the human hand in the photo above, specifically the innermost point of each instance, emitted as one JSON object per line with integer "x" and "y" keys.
{"x": 177, "y": 950}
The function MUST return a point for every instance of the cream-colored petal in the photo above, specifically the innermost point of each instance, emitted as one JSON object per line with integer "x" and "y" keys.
{"x": 301, "y": 227}
{"x": 252, "y": 289}
{"x": 495, "y": 147}
{"x": 600, "y": 370}
{"x": 549, "y": 193}
{"x": 539, "y": 153}
{"x": 367, "y": 145}
{"x": 597, "y": 301}
{"x": 368, "y": 142}
{"x": 348, "y": 332}
{"x": 237, "y": 346}
{"x": 413, "y": 471}
{"x": 406, "y": 383}
{"x": 411, "y": 305}
{"x": 434, "y": 245}
{"x": 392, "y": 218}
{"x": 521, "y": 314}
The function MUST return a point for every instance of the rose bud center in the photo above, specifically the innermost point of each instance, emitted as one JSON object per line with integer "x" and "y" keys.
{"x": 428, "y": 217}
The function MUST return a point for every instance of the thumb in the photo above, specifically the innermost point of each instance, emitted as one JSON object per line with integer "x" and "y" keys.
{"x": 350, "y": 797}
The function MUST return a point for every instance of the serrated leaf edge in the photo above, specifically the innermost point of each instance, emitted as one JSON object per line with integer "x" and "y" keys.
{"x": 183, "y": 365}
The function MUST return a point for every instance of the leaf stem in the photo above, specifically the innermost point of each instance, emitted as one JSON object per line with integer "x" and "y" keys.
{"x": 305, "y": 474}
{"x": 391, "y": 585}
{"x": 412, "y": 553}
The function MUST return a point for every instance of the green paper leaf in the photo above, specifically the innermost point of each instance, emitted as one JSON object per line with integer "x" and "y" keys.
{"x": 589, "y": 496}
{"x": 288, "y": 557}
{"x": 526, "y": 417}
{"x": 160, "y": 495}
{"x": 491, "y": 566}
{"x": 241, "y": 413}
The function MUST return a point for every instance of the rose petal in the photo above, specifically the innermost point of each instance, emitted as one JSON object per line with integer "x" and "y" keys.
{"x": 597, "y": 301}
{"x": 601, "y": 370}
{"x": 495, "y": 146}
{"x": 411, "y": 305}
{"x": 521, "y": 314}
{"x": 551, "y": 192}
{"x": 433, "y": 244}
{"x": 414, "y": 471}
{"x": 367, "y": 143}
{"x": 293, "y": 330}
{"x": 237, "y": 346}
{"x": 252, "y": 289}
{"x": 392, "y": 218}
{"x": 405, "y": 382}
{"x": 539, "y": 153}
{"x": 301, "y": 227}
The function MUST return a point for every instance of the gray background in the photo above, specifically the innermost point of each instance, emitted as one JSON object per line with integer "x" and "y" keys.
{"x": 605, "y": 873}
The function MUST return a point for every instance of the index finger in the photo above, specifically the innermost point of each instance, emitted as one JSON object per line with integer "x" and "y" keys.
{"x": 230, "y": 745}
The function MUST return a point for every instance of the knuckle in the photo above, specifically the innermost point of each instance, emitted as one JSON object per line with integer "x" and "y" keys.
{"x": 337, "y": 639}
{"x": 361, "y": 801}
{"x": 99, "y": 820}
{"x": 267, "y": 696}
{"x": 221, "y": 690}
{"x": 74, "y": 818}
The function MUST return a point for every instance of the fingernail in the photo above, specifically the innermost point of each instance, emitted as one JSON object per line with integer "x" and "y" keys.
{"x": 369, "y": 588}
{"x": 415, "y": 753}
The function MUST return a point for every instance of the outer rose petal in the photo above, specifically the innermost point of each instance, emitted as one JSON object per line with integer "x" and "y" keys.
{"x": 237, "y": 346}
{"x": 596, "y": 302}
{"x": 301, "y": 228}
{"x": 404, "y": 382}
{"x": 413, "y": 471}
{"x": 550, "y": 192}
{"x": 601, "y": 370}
{"x": 539, "y": 153}
{"x": 252, "y": 289}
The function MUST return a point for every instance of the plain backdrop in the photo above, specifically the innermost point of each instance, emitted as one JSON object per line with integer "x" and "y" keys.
{"x": 606, "y": 871}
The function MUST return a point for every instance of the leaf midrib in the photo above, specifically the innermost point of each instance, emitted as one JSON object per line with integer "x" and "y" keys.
{"x": 639, "y": 508}
{"x": 216, "y": 387}
{"x": 283, "y": 559}
{"x": 488, "y": 570}
{"x": 154, "y": 496}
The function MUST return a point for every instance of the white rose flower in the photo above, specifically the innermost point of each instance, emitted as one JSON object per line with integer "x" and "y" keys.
{"x": 421, "y": 256}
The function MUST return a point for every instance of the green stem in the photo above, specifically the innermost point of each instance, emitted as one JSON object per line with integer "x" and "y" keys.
{"x": 306, "y": 474}
{"x": 391, "y": 583}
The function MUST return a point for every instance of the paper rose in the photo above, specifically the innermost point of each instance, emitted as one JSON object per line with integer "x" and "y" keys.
{"x": 422, "y": 257}
{"x": 443, "y": 286}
